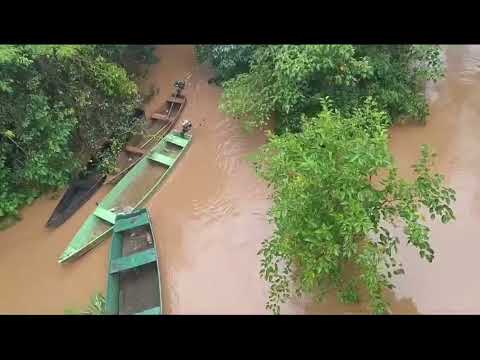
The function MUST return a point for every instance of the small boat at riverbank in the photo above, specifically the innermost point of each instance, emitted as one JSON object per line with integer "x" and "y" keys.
{"x": 132, "y": 191}
{"x": 133, "y": 284}
{"x": 76, "y": 195}
{"x": 160, "y": 124}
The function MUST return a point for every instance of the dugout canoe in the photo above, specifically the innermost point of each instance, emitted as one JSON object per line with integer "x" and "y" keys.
{"x": 76, "y": 195}
{"x": 133, "y": 281}
{"x": 159, "y": 124}
{"x": 131, "y": 192}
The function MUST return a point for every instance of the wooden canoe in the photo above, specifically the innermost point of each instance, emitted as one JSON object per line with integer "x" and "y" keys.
{"x": 132, "y": 191}
{"x": 133, "y": 283}
{"x": 76, "y": 195}
{"x": 160, "y": 124}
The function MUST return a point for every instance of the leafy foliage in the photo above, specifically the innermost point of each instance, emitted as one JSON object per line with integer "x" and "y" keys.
{"x": 282, "y": 78}
{"x": 58, "y": 106}
{"x": 331, "y": 213}
{"x": 399, "y": 77}
{"x": 97, "y": 306}
{"x": 128, "y": 56}
{"x": 290, "y": 80}
{"x": 228, "y": 60}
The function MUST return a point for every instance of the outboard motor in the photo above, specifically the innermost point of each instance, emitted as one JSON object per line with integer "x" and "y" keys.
{"x": 179, "y": 86}
{"x": 186, "y": 127}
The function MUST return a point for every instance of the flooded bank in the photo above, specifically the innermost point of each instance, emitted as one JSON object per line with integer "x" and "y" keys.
{"x": 449, "y": 284}
{"x": 210, "y": 213}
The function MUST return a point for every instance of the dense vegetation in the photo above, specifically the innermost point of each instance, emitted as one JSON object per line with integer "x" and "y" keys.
{"x": 228, "y": 60}
{"x": 59, "y": 105}
{"x": 288, "y": 80}
{"x": 336, "y": 191}
{"x": 332, "y": 219}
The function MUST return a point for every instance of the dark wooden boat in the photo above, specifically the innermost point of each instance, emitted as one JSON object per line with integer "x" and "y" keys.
{"x": 77, "y": 194}
{"x": 133, "y": 278}
{"x": 159, "y": 125}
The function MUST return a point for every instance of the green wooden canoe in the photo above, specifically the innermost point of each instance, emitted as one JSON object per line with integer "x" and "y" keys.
{"x": 132, "y": 191}
{"x": 133, "y": 284}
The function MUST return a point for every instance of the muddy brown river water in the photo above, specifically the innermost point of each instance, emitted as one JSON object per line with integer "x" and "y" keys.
{"x": 210, "y": 214}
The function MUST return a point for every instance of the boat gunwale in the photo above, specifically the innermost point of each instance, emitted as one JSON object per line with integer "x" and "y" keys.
{"x": 97, "y": 240}
{"x": 116, "y": 276}
{"x": 170, "y": 122}
{"x": 162, "y": 133}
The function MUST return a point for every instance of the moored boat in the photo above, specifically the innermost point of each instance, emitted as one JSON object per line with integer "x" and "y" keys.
{"x": 159, "y": 124}
{"x": 76, "y": 195}
{"x": 133, "y": 284}
{"x": 132, "y": 191}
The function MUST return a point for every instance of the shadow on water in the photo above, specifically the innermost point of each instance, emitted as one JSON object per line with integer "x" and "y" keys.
{"x": 331, "y": 305}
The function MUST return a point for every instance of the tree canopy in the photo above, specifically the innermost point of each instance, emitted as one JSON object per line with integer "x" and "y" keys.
{"x": 330, "y": 212}
{"x": 335, "y": 188}
{"x": 58, "y": 105}
{"x": 290, "y": 80}
{"x": 228, "y": 60}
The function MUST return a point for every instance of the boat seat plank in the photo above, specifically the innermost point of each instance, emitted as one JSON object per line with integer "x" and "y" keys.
{"x": 106, "y": 215}
{"x": 133, "y": 261}
{"x": 177, "y": 140}
{"x": 134, "y": 150}
{"x": 131, "y": 223}
{"x": 158, "y": 116}
{"x": 177, "y": 100}
{"x": 162, "y": 159}
{"x": 157, "y": 310}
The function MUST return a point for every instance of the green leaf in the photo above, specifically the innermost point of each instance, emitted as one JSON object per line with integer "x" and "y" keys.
{"x": 324, "y": 206}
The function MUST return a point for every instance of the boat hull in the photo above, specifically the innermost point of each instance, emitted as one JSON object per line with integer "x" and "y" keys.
{"x": 131, "y": 192}
{"x": 133, "y": 280}
{"x": 74, "y": 198}
{"x": 155, "y": 130}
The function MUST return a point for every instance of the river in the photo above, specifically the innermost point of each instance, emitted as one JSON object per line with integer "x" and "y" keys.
{"x": 210, "y": 214}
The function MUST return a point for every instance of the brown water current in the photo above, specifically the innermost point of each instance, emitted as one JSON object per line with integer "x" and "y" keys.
{"x": 210, "y": 213}
{"x": 449, "y": 284}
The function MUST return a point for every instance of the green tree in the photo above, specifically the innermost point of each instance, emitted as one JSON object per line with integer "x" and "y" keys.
{"x": 336, "y": 191}
{"x": 59, "y": 104}
{"x": 290, "y": 80}
{"x": 283, "y": 79}
{"x": 228, "y": 60}
{"x": 399, "y": 76}
{"x": 129, "y": 56}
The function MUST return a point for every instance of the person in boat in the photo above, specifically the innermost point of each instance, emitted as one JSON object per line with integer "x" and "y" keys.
{"x": 179, "y": 86}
